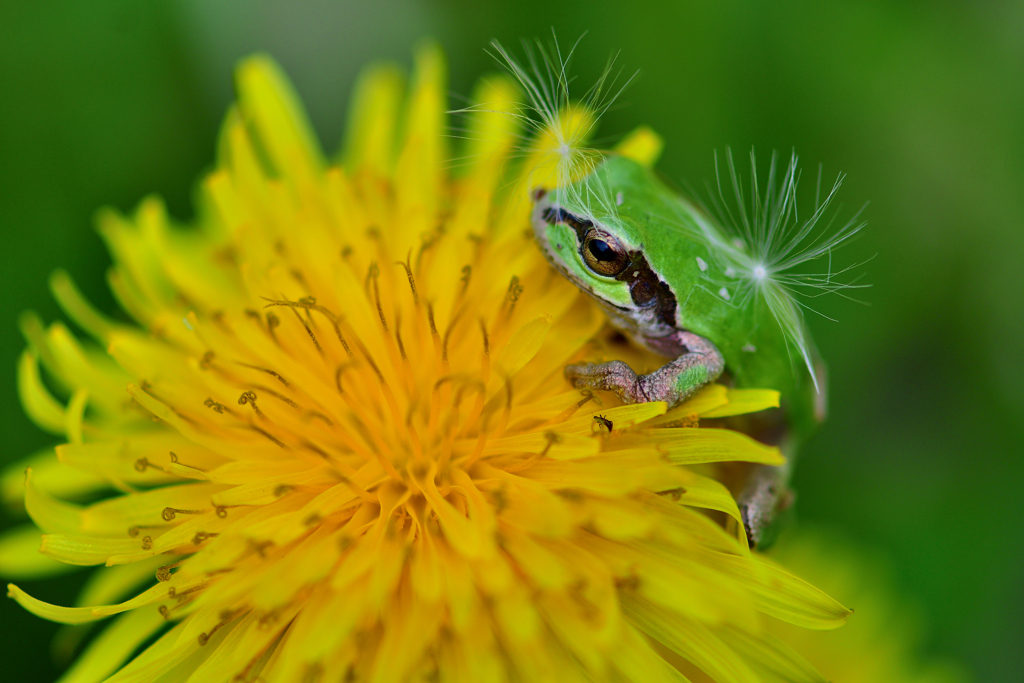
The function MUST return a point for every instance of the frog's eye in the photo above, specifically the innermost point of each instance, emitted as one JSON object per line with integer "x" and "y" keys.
{"x": 603, "y": 254}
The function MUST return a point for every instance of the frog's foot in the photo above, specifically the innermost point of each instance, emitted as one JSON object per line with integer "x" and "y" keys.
{"x": 763, "y": 498}
{"x": 700, "y": 363}
{"x": 613, "y": 376}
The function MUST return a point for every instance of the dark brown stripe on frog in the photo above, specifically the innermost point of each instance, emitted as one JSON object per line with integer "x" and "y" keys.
{"x": 647, "y": 289}
{"x": 579, "y": 225}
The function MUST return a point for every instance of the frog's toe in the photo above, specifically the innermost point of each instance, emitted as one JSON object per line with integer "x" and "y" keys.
{"x": 613, "y": 376}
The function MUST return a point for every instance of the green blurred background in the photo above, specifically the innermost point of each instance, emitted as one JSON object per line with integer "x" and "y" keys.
{"x": 921, "y": 103}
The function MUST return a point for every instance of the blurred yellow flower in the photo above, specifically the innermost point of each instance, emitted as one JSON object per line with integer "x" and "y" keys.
{"x": 881, "y": 642}
{"x": 347, "y": 450}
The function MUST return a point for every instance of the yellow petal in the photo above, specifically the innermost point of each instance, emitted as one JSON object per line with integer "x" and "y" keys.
{"x": 792, "y": 599}
{"x": 643, "y": 146}
{"x": 555, "y": 445}
{"x": 746, "y": 401}
{"x": 770, "y": 657}
{"x": 113, "y": 646}
{"x": 537, "y": 562}
{"x": 708, "y": 398}
{"x": 51, "y": 475}
{"x": 689, "y": 639}
{"x": 106, "y": 585}
{"x": 419, "y": 171}
{"x": 84, "y": 550}
{"x": 51, "y": 515}
{"x": 81, "y": 615}
{"x": 20, "y": 557}
{"x": 40, "y": 406}
{"x": 78, "y": 307}
{"x": 686, "y": 446}
{"x": 618, "y": 518}
{"x": 373, "y": 118}
{"x": 638, "y": 662}
{"x": 621, "y": 417}
{"x": 408, "y": 629}
{"x": 267, "y": 100}
{"x": 524, "y": 345}
{"x": 492, "y": 128}
{"x": 703, "y": 492}
{"x": 613, "y": 475}
{"x": 327, "y": 621}
{"x": 164, "y": 654}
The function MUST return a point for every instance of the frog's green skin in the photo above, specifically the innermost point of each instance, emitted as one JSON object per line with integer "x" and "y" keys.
{"x": 668, "y": 299}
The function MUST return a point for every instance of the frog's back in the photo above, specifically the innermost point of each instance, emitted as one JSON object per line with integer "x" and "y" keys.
{"x": 683, "y": 246}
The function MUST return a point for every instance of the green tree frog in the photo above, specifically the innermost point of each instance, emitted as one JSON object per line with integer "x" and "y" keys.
{"x": 715, "y": 297}
{"x": 714, "y": 303}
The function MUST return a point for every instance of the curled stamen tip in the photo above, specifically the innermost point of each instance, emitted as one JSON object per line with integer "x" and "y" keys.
{"x": 141, "y": 464}
{"x": 514, "y": 289}
{"x": 168, "y": 514}
{"x": 210, "y": 403}
{"x": 147, "y": 542}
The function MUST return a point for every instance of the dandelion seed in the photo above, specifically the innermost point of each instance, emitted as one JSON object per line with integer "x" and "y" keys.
{"x": 767, "y": 243}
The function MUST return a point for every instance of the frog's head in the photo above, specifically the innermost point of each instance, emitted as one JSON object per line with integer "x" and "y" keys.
{"x": 588, "y": 234}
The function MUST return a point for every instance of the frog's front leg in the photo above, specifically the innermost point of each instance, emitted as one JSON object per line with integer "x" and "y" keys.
{"x": 700, "y": 363}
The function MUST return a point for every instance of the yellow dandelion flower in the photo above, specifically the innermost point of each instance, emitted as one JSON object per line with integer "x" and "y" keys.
{"x": 347, "y": 450}
{"x": 881, "y": 641}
